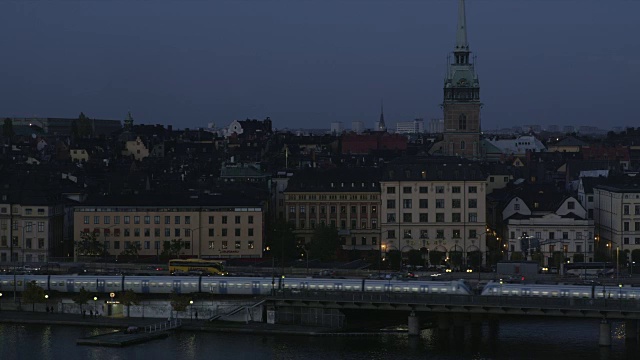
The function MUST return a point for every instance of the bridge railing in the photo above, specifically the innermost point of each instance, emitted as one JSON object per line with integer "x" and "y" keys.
{"x": 571, "y": 303}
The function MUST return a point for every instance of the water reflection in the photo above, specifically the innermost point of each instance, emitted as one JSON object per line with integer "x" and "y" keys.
{"x": 45, "y": 352}
{"x": 531, "y": 339}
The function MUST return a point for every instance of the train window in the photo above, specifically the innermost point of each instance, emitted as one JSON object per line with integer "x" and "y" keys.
{"x": 321, "y": 287}
{"x": 153, "y": 284}
{"x": 246, "y": 285}
{"x": 415, "y": 289}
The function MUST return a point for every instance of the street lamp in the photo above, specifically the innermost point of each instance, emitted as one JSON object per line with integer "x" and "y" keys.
{"x": 0, "y": 301}
{"x": 95, "y": 298}
{"x": 383, "y": 249}
{"x": 191, "y": 309}
{"x": 617, "y": 263}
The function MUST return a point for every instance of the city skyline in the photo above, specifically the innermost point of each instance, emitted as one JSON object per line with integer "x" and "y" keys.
{"x": 307, "y": 64}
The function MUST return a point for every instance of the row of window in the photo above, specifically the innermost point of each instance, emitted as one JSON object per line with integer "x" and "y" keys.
{"x": 28, "y": 242}
{"x": 363, "y": 240}
{"x": 27, "y": 225}
{"x": 439, "y": 234}
{"x": 552, "y": 235}
{"x": 27, "y": 258}
{"x": 626, "y": 241}
{"x": 564, "y": 248}
{"x": 333, "y": 209}
{"x": 626, "y": 227}
{"x": 302, "y": 224}
{"x": 333, "y": 197}
{"x": 440, "y": 203}
{"x": 439, "y": 189}
{"x": 156, "y": 219}
{"x": 146, "y": 245}
{"x": 625, "y": 209}
{"x": 27, "y": 211}
{"x": 440, "y": 218}
{"x": 167, "y": 232}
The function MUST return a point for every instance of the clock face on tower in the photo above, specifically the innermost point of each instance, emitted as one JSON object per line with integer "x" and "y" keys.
{"x": 462, "y": 82}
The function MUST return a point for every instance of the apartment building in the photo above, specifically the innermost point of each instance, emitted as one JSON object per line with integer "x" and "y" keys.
{"x": 31, "y": 231}
{"x": 433, "y": 205}
{"x": 617, "y": 213}
{"x": 208, "y": 226}
{"x": 346, "y": 198}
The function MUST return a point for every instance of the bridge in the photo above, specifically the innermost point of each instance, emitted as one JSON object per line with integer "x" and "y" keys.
{"x": 474, "y": 306}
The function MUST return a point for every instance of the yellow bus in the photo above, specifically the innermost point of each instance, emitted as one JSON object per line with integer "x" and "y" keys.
{"x": 196, "y": 266}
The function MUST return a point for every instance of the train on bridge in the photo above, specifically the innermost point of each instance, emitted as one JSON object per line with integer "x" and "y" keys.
{"x": 228, "y": 285}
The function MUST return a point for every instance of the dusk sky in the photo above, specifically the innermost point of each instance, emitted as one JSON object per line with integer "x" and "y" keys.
{"x": 308, "y": 63}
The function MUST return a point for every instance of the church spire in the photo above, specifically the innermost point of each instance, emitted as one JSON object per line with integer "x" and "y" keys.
{"x": 381, "y": 125}
{"x": 461, "y": 34}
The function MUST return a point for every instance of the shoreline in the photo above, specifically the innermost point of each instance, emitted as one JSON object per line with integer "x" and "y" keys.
{"x": 253, "y": 328}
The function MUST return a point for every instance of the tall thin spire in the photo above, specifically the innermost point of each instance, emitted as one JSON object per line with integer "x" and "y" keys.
{"x": 381, "y": 125}
{"x": 461, "y": 34}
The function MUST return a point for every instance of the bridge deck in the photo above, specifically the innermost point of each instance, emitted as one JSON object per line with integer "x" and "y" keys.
{"x": 471, "y": 304}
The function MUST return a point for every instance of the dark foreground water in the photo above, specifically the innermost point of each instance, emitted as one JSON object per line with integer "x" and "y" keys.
{"x": 513, "y": 339}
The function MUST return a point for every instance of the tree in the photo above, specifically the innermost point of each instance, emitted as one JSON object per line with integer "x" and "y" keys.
{"x": 89, "y": 245}
{"x": 415, "y": 258}
{"x": 436, "y": 257}
{"x": 474, "y": 259}
{"x": 538, "y": 257}
{"x": 172, "y": 249}
{"x": 7, "y": 128}
{"x": 282, "y": 242}
{"x": 81, "y": 297}
{"x": 128, "y": 298}
{"x": 455, "y": 258}
{"x": 33, "y": 294}
{"x": 394, "y": 257}
{"x": 516, "y": 256}
{"x": 558, "y": 258}
{"x": 578, "y": 258}
{"x": 131, "y": 251}
{"x": 635, "y": 255}
{"x": 179, "y": 302}
{"x": 325, "y": 242}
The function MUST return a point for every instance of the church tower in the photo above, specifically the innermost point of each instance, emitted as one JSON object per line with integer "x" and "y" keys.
{"x": 461, "y": 103}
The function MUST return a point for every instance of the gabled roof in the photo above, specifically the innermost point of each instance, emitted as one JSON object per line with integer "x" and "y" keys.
{"x": 571, "y": 141}
{"x": 547, "y": 196}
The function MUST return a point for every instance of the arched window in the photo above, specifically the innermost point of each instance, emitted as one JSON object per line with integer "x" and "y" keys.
{"x": 462, "y": 145}
{"x": 462, "y": 122}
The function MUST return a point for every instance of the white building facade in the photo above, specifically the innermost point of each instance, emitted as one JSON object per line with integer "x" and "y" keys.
{"x": 434, "y": 206}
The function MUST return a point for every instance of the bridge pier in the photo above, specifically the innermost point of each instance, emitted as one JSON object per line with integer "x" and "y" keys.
{"x": 605, "y": 333}
{"x": 458, "y": 326}
{"x": 631, "y": 329}
{"x": 414, "y": 324}
{"x": 443, "y": 321}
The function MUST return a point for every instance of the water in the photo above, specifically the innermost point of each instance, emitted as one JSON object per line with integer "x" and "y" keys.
{"x": 513, "y": 339}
